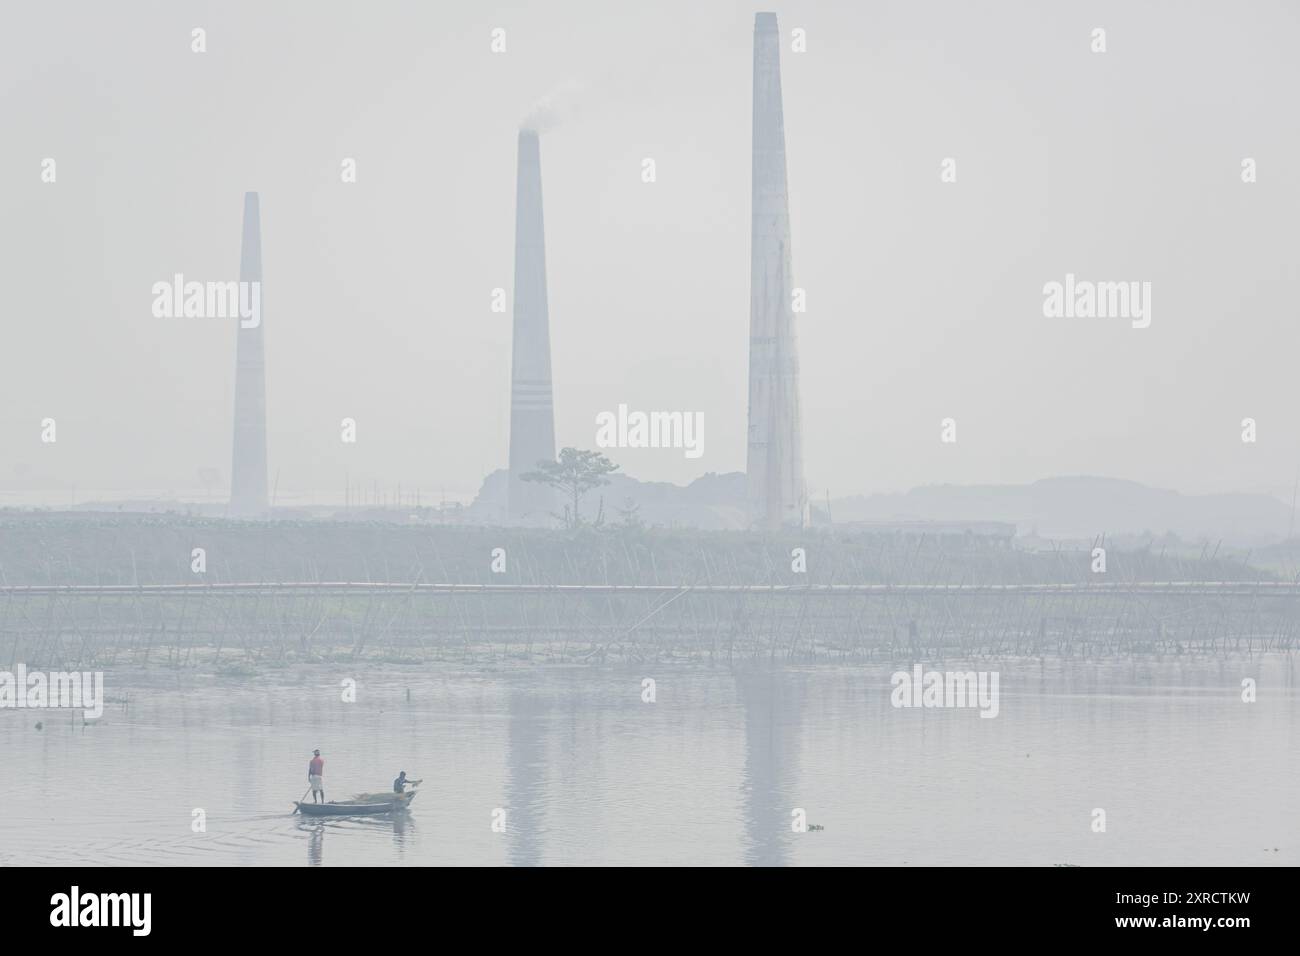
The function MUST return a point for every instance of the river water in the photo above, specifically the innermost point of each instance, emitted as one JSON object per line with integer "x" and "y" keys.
{"x": 582, "y": 770}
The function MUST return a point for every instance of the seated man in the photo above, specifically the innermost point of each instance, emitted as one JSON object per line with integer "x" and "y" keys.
{"x": 399, "y": 785}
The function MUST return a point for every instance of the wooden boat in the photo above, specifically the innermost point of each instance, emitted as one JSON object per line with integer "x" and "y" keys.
{"x": 395, "y": 803}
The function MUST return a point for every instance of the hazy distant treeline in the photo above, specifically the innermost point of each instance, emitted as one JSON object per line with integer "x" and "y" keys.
{"x": 140, "y": 549}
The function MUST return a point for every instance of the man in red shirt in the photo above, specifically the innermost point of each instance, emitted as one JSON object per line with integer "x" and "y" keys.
{"x": 315, "y": 774}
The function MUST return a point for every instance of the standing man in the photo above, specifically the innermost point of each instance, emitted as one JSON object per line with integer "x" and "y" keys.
{"x": 315, "y": 774}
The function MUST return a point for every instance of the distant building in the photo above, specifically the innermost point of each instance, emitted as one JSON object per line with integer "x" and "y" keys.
{"x": 778, "y": 496}
{"x": 532, "y": 412}
{"x": 248, "y": 497}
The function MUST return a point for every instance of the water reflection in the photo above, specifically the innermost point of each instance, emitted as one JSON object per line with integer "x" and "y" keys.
{"x": 315, "y": 842}
{"x": 400, "y": 825}
{"x": 403, "y": 827}
{"x": 773, "y": 705}
{"x": 525, "y": 774}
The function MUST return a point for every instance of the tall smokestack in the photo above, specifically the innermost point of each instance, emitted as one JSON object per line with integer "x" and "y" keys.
{"x": 532, "y": 416}
{"x": 248, "y": 464}
{"x": 777, "y": 495}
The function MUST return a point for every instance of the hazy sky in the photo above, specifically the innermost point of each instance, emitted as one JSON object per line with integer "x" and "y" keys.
{"x": 924, "y": 298}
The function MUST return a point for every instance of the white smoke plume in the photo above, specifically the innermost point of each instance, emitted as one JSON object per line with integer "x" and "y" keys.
{"x": 556, "y": 107}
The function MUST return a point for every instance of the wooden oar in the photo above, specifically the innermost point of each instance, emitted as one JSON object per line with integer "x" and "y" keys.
{"x": 296, "y": 808}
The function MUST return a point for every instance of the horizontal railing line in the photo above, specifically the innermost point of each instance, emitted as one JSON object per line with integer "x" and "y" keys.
{"x": 1244, "y": 588}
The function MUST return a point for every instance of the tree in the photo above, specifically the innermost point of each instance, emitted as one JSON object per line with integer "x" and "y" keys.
{"x": 630, "y": 513}
{"x": 575, "y": 473}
